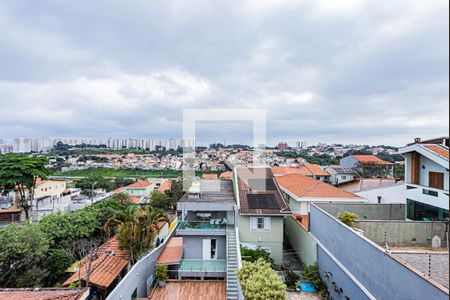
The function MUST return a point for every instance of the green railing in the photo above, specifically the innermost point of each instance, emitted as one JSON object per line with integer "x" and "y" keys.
{"x": 194, "y": 225}
{"x": 193, "y": 265}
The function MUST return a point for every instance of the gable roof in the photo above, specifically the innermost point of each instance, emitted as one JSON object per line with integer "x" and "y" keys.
{"x": 245, "y": 174}
{"x": 435, "y": 152}
{"x": 306, "y": 169}
{"x": 104, "y": 270}
{"x": 370, "y": 159}
{"x": 226, "y": 175}
{"x": 209, "y": 176}
{"x": 438, "y": 150}
{"x": 165, "y": 186}
{"x": 139, "y": 184}
{"x": 172, "y": 253}
{"x": 112, "y": 247}
{"x": 302, "y": 186}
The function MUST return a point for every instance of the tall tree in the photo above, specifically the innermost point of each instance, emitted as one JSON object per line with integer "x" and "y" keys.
{"x": 136, "y": 228}
{"x": 20, "y": 173}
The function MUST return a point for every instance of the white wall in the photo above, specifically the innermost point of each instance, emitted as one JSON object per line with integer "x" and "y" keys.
{"x": 431, "y": 166}
{"x": 390, "y": 194}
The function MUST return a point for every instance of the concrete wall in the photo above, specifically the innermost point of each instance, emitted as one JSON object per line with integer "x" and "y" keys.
{"x": 301, "y": 241}
{"x": 406, "y": 233}
{"x": 368, "y": 211}
{"x": 139, "y": 277}
{"x": 389, "y": 194}
{"x": 193, "y": 246}
{"x": 365, "y": 264}
{"x": 272, "y": 239}
{"x": 338, "y": 278}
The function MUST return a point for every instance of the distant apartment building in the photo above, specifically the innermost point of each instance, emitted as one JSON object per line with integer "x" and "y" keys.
{"x": 300, "y": 191}
{"x": 282, "y": 146}
{"x": 262, "y": 209}
{"x": 301, "y": 145}
{"x": 427, "y": 179}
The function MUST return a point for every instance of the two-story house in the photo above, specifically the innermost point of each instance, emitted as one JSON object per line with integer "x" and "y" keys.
{"x": 368, "y": 165}
{"x": 262, "y": 210}
{"x": 208, "y": 234}
{"x": 427, "y": 180}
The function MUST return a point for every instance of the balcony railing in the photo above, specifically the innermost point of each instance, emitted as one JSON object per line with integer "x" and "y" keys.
{"x": 193, "y": 265}
{"x": 203, "y": 225}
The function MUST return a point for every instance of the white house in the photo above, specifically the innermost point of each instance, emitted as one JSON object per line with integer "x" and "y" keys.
{"x": 427, "y": 180}
{"x": 300, "y": 191}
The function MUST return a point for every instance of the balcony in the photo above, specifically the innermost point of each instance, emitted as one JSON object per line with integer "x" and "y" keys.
{"x": 209, "y": 266}
{"x": 213, "y": 227}
{"x": 427, "y": 195}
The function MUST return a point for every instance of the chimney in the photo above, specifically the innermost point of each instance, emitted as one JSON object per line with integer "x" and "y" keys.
{"x": 417, "y": 140}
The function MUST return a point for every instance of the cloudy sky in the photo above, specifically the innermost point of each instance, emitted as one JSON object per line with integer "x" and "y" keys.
{"x": 325, "y": 70}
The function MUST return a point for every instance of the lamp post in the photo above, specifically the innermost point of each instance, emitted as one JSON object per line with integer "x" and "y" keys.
{"x": 92, "y": 192}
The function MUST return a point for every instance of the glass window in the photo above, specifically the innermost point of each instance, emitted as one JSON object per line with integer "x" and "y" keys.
{"x": 424, "y": 212}
{"x": 260, "y": 223}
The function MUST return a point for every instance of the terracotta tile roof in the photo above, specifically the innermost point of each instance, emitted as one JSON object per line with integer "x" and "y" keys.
{"x": 441, "y": 151}
{"x": 43, "y": 293}
{"x": 173, "y": 252}
{"x": 209, "y": 176}
{"x": 244, "y": 174}
{"x": 139, "y": 184}
{"x": 165, "y": 186}
{"x": 304, "y": 222}
{"x": 302, "y": 186}
{"x": 371, "y": 159}
{"x": 112, "y": 246}
{"x": 226, "y": 175}
{"x": 104, "y": 270}
{"x": 306, "y": 169}
{"x": 39, "y": 181}
{"x": 135, "y": 199}
{"x": 118, "y": 190}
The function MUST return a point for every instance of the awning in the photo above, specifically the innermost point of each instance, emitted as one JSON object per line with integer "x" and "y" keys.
{"x": 173, "y": 252}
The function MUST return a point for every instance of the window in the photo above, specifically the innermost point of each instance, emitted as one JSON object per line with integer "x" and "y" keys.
{"x": 423, "y": 212}
{"x": 344, "y": 177}
{"x": 436, "y": 180}
{"x": 260, "y": 223}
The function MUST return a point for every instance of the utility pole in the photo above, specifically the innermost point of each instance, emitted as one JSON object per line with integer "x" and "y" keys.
{"x": 92, "y": 192}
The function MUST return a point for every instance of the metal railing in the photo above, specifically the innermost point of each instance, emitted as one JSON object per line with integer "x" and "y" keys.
{"x": 198, "y": 265}
{"x": 202, "y": 225}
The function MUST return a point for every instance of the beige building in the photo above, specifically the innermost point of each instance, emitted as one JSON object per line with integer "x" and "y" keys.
{"x": 49, "y": 188}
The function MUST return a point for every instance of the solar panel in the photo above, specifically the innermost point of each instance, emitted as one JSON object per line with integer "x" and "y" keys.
{"x": 261, "y": 201}
{"x": 261, "y": 184}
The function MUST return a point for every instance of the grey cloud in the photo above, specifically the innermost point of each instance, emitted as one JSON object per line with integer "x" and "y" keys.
{"x": 354, "y": 72}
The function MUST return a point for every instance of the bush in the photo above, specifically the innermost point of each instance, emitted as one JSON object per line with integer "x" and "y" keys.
{"x": 251, "y": 255}
{"x": 299, "y": 218}
{"x": 162, "y": 272}
{"x": 348, "y": 218}
{"x": 260, "y": 281}
{"x": 312, "y": 273}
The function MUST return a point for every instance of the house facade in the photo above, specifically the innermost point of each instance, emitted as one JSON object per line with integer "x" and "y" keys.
{"x": 300, "y": 191}
{"x": 427, "y": 181}
{"x": 262, "y": 210}
{"x": 340, "y": 174}
{"x": 368, "y": 165}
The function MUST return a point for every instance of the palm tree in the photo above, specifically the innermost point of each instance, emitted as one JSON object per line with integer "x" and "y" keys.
{"x": 136, "y": 228}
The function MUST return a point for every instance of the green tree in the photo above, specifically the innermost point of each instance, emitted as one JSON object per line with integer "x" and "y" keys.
{"x": 312, "y": 274}
{"x": 20, "y": 172}
{"x": 136, "y": 228}
{"x": 95, "y": 181}
{"x": 174, "y": 194}
{"x": 21, "y": 247}
{"x": 348, "y": 218}
{"x": 259, "y": 281}
{"x": 160, "y": 200}
{"x": 254, "y": 255}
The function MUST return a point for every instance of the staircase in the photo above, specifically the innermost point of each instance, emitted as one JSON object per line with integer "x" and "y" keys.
{"x": 232, "y": 264}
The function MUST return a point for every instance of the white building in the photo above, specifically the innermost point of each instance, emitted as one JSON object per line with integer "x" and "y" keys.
{"x": 427, "y": 180}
